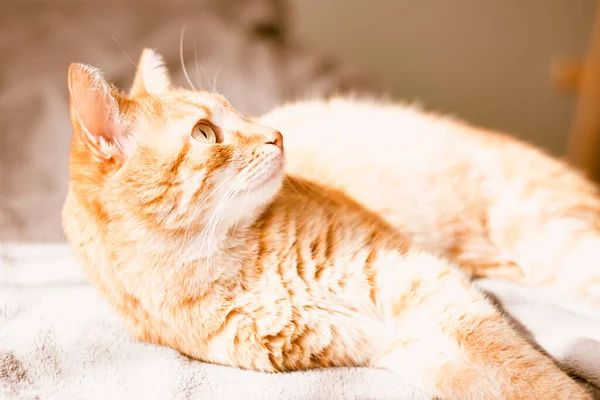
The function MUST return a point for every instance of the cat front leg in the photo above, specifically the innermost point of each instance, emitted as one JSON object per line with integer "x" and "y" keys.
{"x": 453, "y": 344}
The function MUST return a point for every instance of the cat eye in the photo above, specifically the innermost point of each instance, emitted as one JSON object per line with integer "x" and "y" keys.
{"x": 204, "y": 133}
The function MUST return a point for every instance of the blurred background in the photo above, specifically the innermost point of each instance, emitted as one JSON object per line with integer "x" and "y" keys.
{"x": 489, "y": 62}
{"x": 528, "y": 68}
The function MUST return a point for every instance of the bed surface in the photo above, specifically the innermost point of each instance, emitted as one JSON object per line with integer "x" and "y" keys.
{"x": 59, "y": 340}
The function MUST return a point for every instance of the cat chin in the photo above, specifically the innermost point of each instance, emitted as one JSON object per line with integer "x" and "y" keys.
{"x": 251, "y": 201}
{"x": 271, "y": 176}
{"x": 265, "y": 190}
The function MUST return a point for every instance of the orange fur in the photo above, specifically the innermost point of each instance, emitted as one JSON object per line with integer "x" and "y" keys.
{"x": 494, "y": 205}
{"x": 208, "y": 248}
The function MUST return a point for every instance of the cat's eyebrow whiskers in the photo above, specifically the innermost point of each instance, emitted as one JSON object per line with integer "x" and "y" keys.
{"x": 123, "y": 50}
{"x": 187, "y": 77}
{"x": 198, "y": 80}
{"x": 214, "y": 85}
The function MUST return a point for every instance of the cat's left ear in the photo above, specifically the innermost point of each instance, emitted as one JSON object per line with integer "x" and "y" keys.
{"x": 95, "y": 114}
{"x": 151, "y": 76}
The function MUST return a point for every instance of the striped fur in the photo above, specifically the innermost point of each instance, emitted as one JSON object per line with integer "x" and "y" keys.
{"x": 494, "y": 205}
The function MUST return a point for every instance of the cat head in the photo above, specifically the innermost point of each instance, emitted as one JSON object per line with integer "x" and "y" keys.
{"x": 167, "y": 158}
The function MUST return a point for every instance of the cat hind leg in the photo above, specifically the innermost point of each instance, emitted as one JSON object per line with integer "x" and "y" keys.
{"x": 453, "y": 344}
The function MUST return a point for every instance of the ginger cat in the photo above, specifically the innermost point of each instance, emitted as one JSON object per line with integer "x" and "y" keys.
{"x": 181, "y": 215}
{"x": 495, "y": 206}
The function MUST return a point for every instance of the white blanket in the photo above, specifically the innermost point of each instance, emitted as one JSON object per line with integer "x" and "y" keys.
{"x": 59, "y": 340}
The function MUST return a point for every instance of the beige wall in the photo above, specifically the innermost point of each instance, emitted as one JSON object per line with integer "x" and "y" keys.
{"x": 484, "y": 60}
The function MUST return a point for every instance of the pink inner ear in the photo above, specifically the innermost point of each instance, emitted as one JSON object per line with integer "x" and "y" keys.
{"x": 97, "y": 110}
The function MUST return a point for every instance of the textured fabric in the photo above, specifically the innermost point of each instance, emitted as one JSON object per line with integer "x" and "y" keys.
{"x": 59, "y": 340}
{"x": 238, "y": 47}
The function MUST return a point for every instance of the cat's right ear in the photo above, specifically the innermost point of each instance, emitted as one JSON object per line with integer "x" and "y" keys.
{"x": 95, "y": 113}
{"x": 151, "y": 76}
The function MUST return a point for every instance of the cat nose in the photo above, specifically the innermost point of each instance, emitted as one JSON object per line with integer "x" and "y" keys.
{"x": 275, "y": 138}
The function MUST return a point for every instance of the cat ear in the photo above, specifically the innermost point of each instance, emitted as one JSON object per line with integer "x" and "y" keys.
{"x": 95, "y": 113}
{"x": 151, "y": 76}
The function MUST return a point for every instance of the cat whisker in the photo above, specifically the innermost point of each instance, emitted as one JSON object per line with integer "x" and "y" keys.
{"x": 214, "y": 85}
{"x": 215, "y": 190}
{"x": 204, "y": 236}
{"x": 207, "y": 234}
{"x": 123, "y": 50}
{"x": 208, "y": 228}
{"x": 241, "y": 208}
{"x": 198, "y": 81}
{"x": 223, "y": 211}
{"x": 198, "y": 210}
{"x": 206, "y": 78}
{"x": 218, "y": 219}
{"x": 226, "y": 90}
{"x": 187, "y": 77}
{"x": 217, "y": 216}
